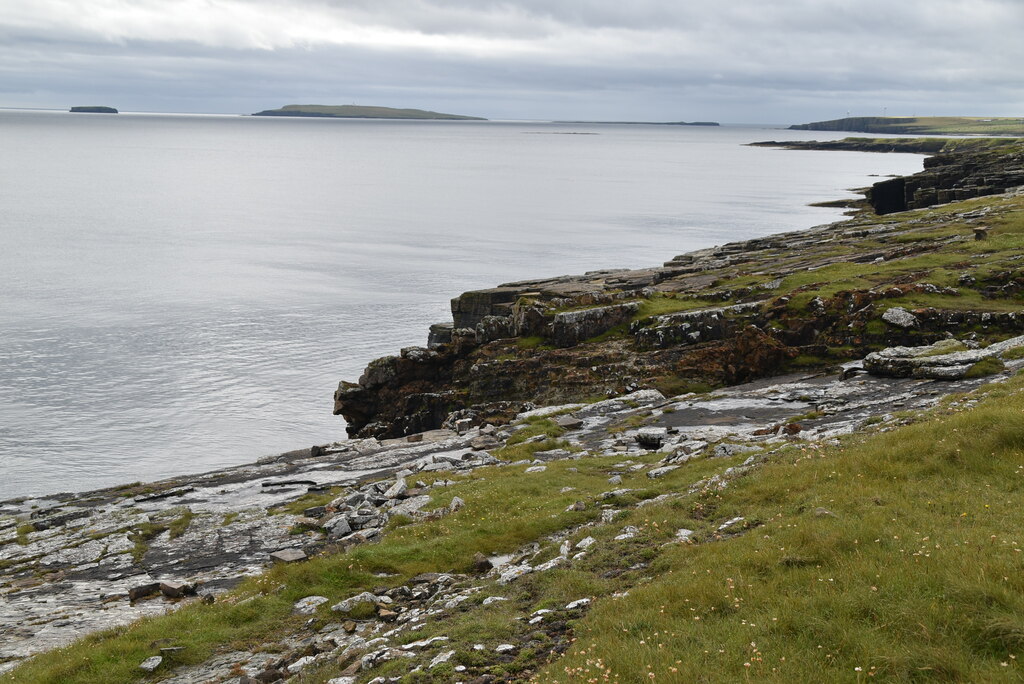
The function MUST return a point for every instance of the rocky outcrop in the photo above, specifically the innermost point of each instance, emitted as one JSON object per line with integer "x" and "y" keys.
{"x": 939, "y": 361}
{"x": 952, "y": 177}
{"x": 710, "y": 317}
{"x": 958, "y": 169}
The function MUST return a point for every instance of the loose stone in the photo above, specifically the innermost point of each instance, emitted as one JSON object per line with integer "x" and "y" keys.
{"x": 150, "y": 664}
{"x": 288, "y": 556}
{"x": 308, "y": 605}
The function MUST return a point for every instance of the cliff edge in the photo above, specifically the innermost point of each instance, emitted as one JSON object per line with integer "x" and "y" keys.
{"x": 719, "y": 316}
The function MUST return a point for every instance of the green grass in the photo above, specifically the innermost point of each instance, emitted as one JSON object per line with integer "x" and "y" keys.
{"x": 177, "y": 527}
{"x": 1013, "y": 354}
{"x": 988, "y": 366}
{"x": 533, "y": 427}
{"x": 23, "y": 530}
{"x": 533, "y": 342}
{"x": 310, "y": 500}
{"x": 504, "y": 509}
{"x": 916, "y": 577}
{"x": 660, "y": 304}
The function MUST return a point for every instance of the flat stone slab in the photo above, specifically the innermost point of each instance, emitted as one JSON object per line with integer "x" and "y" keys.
{"x": 288, "y": 556}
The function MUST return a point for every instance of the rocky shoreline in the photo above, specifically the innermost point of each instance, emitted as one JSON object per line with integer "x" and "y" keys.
{"x": 713, "y": 317}
{"x": 720, "y": 355}
{"x": 75, "y": 564}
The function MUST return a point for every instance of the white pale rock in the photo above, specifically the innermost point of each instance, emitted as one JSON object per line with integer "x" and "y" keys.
{"x": 661, "y": 472}
{"x": 729, "y": 523}
{"x": 504, "y": 648}
{"x": 442, "y": 657}
{"x": 900, "y": 317}
{"x": 150, "y": 664}
{"x": 578, "y": 604}
{"x": 301, "y": 663}
{"x": 684, "y": 534}
{"x": 536, "y": 469}
{"x": 348, "y": 604}
{"x": 396, "y": 490}
{"x": 493, "y": 599}
{"x": 553, "y": 563}
{"x": 513, "y": 572}
{"x": 308, "y": 605}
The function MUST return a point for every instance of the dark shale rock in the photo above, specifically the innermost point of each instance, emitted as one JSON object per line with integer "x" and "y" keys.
{"x": 143, "y": 591}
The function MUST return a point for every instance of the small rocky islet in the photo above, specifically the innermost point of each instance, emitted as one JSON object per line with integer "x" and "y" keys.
{"x": 93, "y": 109}
{"x": 717, "y": 358}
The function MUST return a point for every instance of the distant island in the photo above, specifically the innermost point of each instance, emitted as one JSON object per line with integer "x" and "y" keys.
{"x": 923, "y": 125}
{"x": 94, "y": 110}
{"x": 649, "y": 123}
{"x": 362, "y": 112}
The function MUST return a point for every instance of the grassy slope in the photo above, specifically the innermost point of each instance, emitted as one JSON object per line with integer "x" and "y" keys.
{"x": 915, "y": 574}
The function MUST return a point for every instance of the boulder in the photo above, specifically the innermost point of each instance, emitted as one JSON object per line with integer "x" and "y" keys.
{"x": 651, "y": 437}
{"x": 150, "y": 664}
{"x": 308, "y": 605}
{"x": 900, "y": 317}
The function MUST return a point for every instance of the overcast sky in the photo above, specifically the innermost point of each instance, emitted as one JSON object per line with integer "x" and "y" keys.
{"x": 759, "y": 61}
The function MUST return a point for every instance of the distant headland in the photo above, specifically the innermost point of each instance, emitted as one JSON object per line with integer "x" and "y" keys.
{"x": 93, "y": 110}
{"x": 362, "y": 112}
{"x": 920, "y": 125}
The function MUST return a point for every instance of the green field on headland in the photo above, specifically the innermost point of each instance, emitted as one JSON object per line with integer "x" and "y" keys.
{"x": 361, "y": 112}
{"x": 920, "y": 125}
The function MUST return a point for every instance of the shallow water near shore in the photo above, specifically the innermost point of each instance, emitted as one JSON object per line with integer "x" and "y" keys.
{"x": 183, "y": 293}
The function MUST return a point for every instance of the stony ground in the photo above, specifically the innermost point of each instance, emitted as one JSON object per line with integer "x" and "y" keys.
{"x": 72, "y": 565}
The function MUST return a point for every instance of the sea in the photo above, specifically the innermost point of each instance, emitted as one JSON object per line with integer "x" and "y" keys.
{"x": 182, "y": 293}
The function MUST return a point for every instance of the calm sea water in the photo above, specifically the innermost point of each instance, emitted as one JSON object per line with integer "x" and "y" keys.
{"x": 182, "y": 293}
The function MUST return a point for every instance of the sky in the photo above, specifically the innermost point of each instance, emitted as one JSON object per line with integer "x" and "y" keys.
{"x": 732, "y": 61}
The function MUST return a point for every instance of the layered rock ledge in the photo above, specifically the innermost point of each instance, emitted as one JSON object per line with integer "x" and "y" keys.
{"x": 723, "y": 315}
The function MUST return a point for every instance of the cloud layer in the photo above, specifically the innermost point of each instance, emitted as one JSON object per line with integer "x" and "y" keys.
{"x": 745, "y": 60}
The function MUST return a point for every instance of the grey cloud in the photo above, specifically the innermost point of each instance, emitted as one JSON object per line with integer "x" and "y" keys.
{"x": 651, "y": 59}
